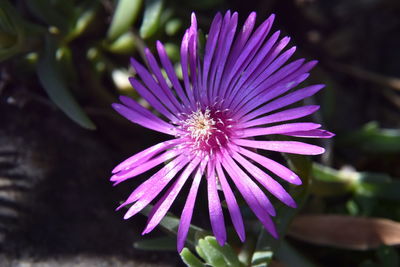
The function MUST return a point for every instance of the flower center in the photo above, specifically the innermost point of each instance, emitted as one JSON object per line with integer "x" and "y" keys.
{"x": 207, "y": 130}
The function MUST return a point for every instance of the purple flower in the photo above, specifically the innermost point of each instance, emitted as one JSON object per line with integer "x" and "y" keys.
{"x": 233, "y": 93}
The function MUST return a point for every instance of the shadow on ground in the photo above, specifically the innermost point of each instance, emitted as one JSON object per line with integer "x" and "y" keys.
{"x": 56, "y": 203}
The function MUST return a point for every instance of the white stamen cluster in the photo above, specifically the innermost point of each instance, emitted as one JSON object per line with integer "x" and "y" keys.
{"x": 200, "y": 125}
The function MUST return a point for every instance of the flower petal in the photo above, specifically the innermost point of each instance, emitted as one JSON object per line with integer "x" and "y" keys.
{"x": 233, "y": 207}
{"x": 317, "y": 133}
{"x": 285, "y": 115}
{"x": 224, "y": 43}
{"x": 282, "y": 146}
{"x": 284, "y": 101}
{"x": 248, "y": 186}
{"x": 210, "y": 48}
{"x": 270, "y": 184}
{"x": 169, "y": 69}
{"x": 145, "y": 121}
{"x": 187, "y": 211}
{"x": 272, "y": 64}
{"x": 255, "y": 61}
{"x": 149, "y": 189}
{"x": 145, "y": 155}
{"x": 148, "y": 165}
{"x": 157, "y": 98}
{"x": 151, "y": 99}
{"x": 253, "y": 203}
{"x": 171, "y": 102}
{"x": 271, "y": 165}
{"x": 279, "y": 129}
{"x": 243, "y": 52}
{"x": 240, "y": 50}
{"x": 162, "y": 206}
{"x": 214, "y": 206}
{"x": 275, "y": 85}
{"x": 184, "y": 64}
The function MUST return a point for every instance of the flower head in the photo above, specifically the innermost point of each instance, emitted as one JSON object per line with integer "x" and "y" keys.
{"x": 238, "y": 90}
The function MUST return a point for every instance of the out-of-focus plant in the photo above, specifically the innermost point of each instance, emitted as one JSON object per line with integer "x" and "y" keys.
{"x": 16, "y": 34}
{"x": 72, "y": 50}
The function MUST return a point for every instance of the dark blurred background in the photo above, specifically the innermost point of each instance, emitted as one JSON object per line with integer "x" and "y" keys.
{"x": 62, "y": 65}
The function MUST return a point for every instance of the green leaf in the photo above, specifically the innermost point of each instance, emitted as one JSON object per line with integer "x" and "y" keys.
{"x": 54, "y": 85}
{"x": 212, "y": 253}
{"x": 173, "y": 26}
{"x": 215, "y": 255}
{"x": 190, "y": 260}
{"x": 230, "y": 257}
{"x": 246, "y": 252}
{"x": 151, "y": 18}
{"x": 83, "y": 19}
{"x": 125, "y": 15}
{"x": 261, "y": 258}
{"x": 157, "y": 244}
{"x": 124, "y": 44}
{"x": 373, "y": 139}
{"x": 330, "y": 182}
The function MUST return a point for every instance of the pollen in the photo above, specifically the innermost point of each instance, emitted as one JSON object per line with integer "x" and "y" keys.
{"x": 206, "y": 130}
{"x": 200, "y": 125}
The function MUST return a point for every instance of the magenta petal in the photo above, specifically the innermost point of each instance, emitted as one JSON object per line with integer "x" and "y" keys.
{"x": 284, "y": 101}
{"x": 184, "y": 64}
{"x": 270, "y": 184}
{"x": 172, "y": 102}
{"x": 275, "y": 85}
{"x": 282, "y": 146}
{"x": 141, "y": 89}
{"x": 133, "y": 105}
{"x": 156, "y": 98}
{"x": 214, "y": 206}
{"x": 169, "y": 69}
{"x": 187, "y": 211}
{"x": 144, "y": 121}
{"x": 144, "y": 155}
{"x": 208, "y": 54}
{"x": 286, "y": 115}
{"x": 317, "y": 133}
{"x": 253, "y": 203}
{"x": 126, "y": 174}
{"x": 254, "y": 59}
{"x": 148, "y": 190}
{"x": 162, "y": 206}
{"x": 271, "y": 165}
{"x": 233, "y": 207}
{"x": 223, "y": 53}
{"x": 279, "y": 129}
{"x": 234, "y": 63}
{"x": 246, "y": 185}
{"x": 224, "y": 43}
